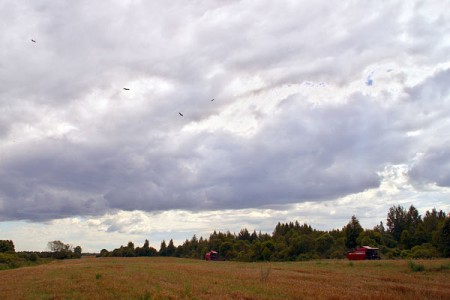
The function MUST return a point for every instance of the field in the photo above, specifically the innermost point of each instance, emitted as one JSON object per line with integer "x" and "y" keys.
{"x": 173, "y": 278}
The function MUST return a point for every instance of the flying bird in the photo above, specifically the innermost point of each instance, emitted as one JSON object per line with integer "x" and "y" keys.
{"x": 33, "y": 41}
{"x": 180, "y": 114}
{"x": 212, "y": 99}
{"x": 126, "y": 89}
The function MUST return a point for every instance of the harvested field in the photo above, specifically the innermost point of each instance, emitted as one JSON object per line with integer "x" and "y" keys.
{"x": 173, "y": 278}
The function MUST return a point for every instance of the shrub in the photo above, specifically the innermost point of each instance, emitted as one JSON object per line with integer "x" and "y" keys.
{"x": 424, "y": 251}
{"x": 33, "y": 257}
{"x": 9, "y": 260}
{"x": 103, "y": 253}
{"x": 7, "y": 257}
{"x": 12, "y": 264}
{"x": 392, "y": 253}
{"x": 62, "y": 254}
{"x": 415, "y": 267}
{"x": 405, "y": 254}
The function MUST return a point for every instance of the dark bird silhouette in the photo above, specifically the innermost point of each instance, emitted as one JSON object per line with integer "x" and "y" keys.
{"x": 33, "y": 41}
{"x": 126, "y": 89}
{"x": 180, "y": 114}
{"x": 212, "y": 99}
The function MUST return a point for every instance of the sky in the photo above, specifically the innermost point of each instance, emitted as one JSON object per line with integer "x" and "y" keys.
{"x": 131, "y": 120}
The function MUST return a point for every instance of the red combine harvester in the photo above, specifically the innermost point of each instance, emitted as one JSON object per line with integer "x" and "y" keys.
{"x": 364, "y": 252}
{"x": 212, "y": 255}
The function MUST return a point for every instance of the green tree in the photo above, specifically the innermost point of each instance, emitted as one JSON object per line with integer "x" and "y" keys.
{"x": 268, "y": 248}
{"x": 146, "y": 250}
{"x": 129, "y": 250}
{"x": 396, "y": 221}
{"x": 130, "y": 245}
{"x": 324, "y": 244}
{"x": 243, "y": 250}
{"x": 244, "y": 235}
{"x": 413, "y": 218}
{"x": 379, "y": 228}
{"x": 77, "y": 251}
{"x": 369, "y": 238}
{"x": 7, "y": 246}
{"x": 58, "y": 246}
{"x": 432, "y": 224}
{"x": 300, "y": 244}
{"x": 163, "y": 249}
{"x": 60, "y": 250}
{"x": 351, "y": 232}
{"x": 170, "y": 250}
{"x": 226, "y": 250}
{"x": 151, "y": 251}
{"x": 444, "y": 238}
{"x": 406, "y": 240}
{"x": 118, "y": 252}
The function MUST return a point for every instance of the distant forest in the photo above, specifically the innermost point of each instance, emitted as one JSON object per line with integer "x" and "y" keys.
{"x": 407, "y": 235}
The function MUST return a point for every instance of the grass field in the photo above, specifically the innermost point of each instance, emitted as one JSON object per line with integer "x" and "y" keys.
{"x": 172, "y": 278}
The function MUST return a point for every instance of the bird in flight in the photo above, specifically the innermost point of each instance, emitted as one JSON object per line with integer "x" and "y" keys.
{"x": 180, "y": 114}
{"x": 212, "y": 99}
{"x": 126, "y": 89}
{"x": 33, "y": 41}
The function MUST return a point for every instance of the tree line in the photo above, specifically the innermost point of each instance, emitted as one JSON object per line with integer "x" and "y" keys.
{"x": 10, "y": 259}
{"x": 407, "y": 235}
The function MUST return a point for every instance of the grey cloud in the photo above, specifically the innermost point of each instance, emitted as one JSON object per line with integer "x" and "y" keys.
{"x": 312, "y": 155}
{"x": 130, "y": 154}
{"x": 432, "y": 103}
{"x": 435, "y": 89}
{"x": 433, "y": 167}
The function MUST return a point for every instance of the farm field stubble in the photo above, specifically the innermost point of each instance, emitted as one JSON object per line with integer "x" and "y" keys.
{"x": 175, "y": 278}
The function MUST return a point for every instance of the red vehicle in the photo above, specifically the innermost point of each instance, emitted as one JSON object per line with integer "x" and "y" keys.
{"x": 212, "y": 255}
{"x": 362, "y": 253}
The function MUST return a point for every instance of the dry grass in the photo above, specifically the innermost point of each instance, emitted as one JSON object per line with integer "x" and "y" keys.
{"x": 171, "y": 278}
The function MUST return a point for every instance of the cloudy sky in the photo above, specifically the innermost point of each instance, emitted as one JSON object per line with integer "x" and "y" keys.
{"x": 320, "y": 112}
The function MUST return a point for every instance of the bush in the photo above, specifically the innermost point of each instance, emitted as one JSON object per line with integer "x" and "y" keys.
{"x": 103, "y": 253}
{"x": 424, "y": 251}
{"x": 9, "y": 260}
{"x": 33, "y": 257}
{"x": 29, "y": 256}
{"x": 7, "y": 257}
{"x": 405, "y": 254}
{"x": 14, "y": 264}
{"x": 392, "y": 253}
{"x": 62, "y": 254}
{"x": 415, "y": 267}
